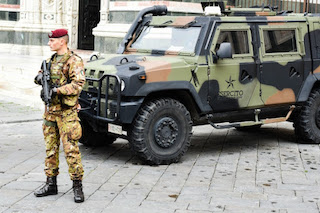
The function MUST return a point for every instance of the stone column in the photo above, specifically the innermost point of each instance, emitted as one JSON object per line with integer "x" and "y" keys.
{"x": 108, "y": 35}
{"x": 104, "y": 11}
{"x": 72, "y": 17}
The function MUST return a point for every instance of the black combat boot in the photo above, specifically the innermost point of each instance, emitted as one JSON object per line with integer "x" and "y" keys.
{"x": 50, "y": 188}
{"x": 77, "y": 190}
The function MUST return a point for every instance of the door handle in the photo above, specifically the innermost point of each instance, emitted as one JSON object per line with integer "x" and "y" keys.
{"x": 293, "y": 72}
{"x": 245, "y": 76}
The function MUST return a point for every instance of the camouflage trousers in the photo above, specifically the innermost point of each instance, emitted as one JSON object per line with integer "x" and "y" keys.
{"x": 64, "y": 125}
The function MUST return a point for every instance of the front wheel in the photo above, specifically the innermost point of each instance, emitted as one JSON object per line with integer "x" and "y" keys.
{"x": 307, "y": 123}
{"x": 161, "y": 132}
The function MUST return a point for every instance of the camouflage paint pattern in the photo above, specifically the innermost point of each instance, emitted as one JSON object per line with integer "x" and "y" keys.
{"x": 180, "y": 21}
{"x": 64, "y": 126}
{"x": 274, "y": 78}
{"x": 67, "y": 73}
{"x": 61, "y": 121}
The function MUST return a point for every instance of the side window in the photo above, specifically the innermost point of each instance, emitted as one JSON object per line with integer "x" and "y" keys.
{"x": 238, "y": 40}
{"x": 279, "y": 41}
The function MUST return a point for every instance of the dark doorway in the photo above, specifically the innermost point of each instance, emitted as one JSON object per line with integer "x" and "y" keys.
{"x": 89, "y": 17}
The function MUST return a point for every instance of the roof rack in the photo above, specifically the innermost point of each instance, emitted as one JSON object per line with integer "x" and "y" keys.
{"x": 257, "y": 10}
{"x": 210, "y": 8}
{"x": 249, "y": 12}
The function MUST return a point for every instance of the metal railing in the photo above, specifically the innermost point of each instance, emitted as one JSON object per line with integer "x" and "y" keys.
{"x": 106, "y": 90}
{"x": 297, "y": 6}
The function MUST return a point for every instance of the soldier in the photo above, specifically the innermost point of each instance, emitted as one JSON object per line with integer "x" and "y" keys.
{"x": 61, "y": 118}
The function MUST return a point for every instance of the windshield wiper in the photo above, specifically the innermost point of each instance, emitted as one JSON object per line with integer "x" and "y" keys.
{"x": 187, "y": 25}
{"x": 167, "y": 22}
{"x": 184, "y": 26}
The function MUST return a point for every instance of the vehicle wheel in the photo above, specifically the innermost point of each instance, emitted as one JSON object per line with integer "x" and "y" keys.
{"x": 92, "y": 138}
{"x": 161, "y": 132}
{"x": 249, "y": 128}
{"x": 307, "y": 123}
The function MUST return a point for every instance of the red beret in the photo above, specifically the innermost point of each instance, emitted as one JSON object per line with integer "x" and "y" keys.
{"x": 58, "y": 33}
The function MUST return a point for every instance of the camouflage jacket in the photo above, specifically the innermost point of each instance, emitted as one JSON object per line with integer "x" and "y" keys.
{"x": 67, "y": 74}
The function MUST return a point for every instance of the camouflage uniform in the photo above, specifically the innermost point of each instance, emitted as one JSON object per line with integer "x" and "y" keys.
{"x": 61, "y": 119}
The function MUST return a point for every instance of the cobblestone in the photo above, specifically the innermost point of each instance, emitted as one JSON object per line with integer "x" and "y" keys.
{"x": 223, "y": 171}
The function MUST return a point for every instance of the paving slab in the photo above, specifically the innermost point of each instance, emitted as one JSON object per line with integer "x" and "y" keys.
{"x": 223, "y": 171}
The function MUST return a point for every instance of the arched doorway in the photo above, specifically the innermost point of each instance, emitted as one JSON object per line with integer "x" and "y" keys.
{"x": 89, "y": 17}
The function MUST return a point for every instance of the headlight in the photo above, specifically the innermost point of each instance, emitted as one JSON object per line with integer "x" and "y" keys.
{"x": 123, "y": 85}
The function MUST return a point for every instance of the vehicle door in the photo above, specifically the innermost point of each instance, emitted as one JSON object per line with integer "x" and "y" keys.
{"x": 315, "y": 43}
{"x": 282, "y": 65}
{"x": 233, "y": 79}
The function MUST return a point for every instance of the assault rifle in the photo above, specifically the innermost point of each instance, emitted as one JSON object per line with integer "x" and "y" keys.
{"x": 46, "y": 83}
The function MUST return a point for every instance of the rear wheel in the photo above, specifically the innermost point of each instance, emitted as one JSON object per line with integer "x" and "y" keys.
{"x": 92, "y": 138}
{"x": 161, "y": 132}
{"x": 307, "y": 123}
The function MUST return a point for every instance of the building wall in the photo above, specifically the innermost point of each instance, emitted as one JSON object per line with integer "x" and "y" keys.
{"x": 9, "y": 10}
{"x": 26, "y": 32}
{"x": 24, "y": 25}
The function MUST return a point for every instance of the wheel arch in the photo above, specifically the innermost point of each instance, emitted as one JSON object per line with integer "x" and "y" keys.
{"x": 182, "y": 91}
{"x": 311, "y": 82}
{"x": 182, "y": 96}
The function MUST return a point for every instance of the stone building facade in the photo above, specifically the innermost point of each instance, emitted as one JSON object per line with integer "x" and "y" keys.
{"x": 93, "y": 25}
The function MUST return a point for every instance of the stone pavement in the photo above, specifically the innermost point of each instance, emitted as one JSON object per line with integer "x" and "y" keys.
{"x": 223, "y": 171}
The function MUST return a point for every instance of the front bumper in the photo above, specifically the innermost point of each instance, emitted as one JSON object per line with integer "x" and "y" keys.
{"x": 101, "y": 103}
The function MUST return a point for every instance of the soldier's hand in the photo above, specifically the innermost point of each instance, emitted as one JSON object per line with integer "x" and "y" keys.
{"x": 54, "y": 90}
{"x": 38, "y": 79}
{"x": 78, "y": 107}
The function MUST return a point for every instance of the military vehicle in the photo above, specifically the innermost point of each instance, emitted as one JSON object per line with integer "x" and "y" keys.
{"x": 231, "y": 68}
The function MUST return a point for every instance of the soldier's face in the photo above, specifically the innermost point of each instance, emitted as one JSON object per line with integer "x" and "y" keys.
{"x": 55, "y": 44}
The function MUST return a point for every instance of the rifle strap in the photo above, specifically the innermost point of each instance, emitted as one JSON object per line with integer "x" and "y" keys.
{"x": 50, "y": 61}
{"x": 65, "y": 72}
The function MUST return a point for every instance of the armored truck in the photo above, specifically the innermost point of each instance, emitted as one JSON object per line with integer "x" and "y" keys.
{"x": 231, "y": 68}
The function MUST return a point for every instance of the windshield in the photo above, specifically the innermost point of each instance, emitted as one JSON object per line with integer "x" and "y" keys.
{"x": 167, "y": 39}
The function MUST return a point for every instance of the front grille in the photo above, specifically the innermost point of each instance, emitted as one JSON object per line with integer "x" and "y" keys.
{"x": 106, "y": 91}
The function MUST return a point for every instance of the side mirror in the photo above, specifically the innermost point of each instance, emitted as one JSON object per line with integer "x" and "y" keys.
{"x": 225, "y": 50}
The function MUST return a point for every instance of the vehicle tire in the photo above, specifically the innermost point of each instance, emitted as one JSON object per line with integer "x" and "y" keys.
{"x": 249, "y": 128}
{"x": 161, "y": 132}
{"x": 307, "y": 123}
{"x": 92, "y": 138}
